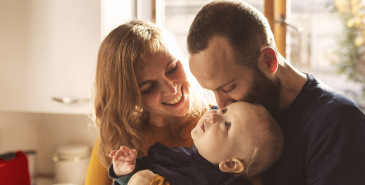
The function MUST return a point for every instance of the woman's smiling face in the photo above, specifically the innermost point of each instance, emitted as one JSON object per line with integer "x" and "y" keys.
{"x": 163, "y": 84}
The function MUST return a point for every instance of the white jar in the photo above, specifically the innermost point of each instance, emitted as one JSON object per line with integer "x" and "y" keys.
{"x": 71, "y": 162}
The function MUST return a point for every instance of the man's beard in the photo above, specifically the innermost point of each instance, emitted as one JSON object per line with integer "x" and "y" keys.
{"x": 265, "y": 92}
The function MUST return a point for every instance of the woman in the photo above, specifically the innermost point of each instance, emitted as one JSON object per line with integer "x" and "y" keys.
{"x": 142, "y": 95}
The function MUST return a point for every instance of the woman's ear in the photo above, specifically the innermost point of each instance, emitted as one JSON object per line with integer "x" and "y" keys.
{"x": 268, "y": 62}
{"x": 232, "y": 166}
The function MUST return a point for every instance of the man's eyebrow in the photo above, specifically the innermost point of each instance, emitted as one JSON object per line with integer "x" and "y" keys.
{"x": 221, "y": 86}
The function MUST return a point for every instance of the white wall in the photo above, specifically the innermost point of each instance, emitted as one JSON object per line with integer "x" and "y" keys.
{"x": 44, "y": 133}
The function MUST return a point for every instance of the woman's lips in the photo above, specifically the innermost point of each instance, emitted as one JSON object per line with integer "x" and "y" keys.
{"x": 177, "y": 99}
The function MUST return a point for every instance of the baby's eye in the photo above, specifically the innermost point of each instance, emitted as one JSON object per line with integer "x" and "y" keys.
{"x": 227, "y": 124}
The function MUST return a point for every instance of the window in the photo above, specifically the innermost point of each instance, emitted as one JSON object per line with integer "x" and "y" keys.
{"x": 179, "y": 14}
{"x": 315, "y": 49}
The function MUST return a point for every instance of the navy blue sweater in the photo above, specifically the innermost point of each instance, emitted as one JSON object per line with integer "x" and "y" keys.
{"x": 324, "y": 136}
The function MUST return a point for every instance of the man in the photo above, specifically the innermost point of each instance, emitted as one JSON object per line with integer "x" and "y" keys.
{"x": 232, "y": 52}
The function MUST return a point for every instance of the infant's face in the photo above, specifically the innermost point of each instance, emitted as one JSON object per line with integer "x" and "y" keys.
{"x": 220, "y": 134}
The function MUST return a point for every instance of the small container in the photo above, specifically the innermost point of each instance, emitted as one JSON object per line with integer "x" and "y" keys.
{"x": 31, "y": 155}
{"x": 71, "y": 162}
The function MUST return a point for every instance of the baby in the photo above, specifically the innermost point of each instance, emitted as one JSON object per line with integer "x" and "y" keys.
{"x": 239, "y": 141}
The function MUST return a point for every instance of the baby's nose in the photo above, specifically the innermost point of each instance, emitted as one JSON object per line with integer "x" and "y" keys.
{"x": 213, "y": 117}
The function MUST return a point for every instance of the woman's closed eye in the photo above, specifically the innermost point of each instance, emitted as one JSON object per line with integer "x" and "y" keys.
{"x": 172, "y": 68}
{"x": 147, "y": 88}
{"x": 227, "y": 124}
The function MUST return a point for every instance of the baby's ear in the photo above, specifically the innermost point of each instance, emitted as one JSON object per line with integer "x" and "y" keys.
{"x": 232, "y": 166}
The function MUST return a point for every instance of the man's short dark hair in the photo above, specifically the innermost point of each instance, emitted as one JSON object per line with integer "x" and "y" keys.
{"x": 244, "y": 27}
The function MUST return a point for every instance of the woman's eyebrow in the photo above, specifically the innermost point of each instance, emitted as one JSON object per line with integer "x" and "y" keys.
{"x": 171, "y": 61}
{"x": 145, "y": 82}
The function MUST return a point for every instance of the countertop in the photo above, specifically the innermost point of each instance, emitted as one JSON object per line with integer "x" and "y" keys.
{"x": 44, "y": 181}
{"x": 49, "y": 181}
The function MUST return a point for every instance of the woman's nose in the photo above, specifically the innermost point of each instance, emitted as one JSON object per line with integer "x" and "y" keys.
{"x": 169, "y": 88}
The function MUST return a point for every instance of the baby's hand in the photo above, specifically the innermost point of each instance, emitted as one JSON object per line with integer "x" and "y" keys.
{"x": 124, "y": 160}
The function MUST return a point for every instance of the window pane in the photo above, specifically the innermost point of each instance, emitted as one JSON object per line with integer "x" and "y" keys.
{"x": 316, "y": 48}
{"x": 179, "y": 14}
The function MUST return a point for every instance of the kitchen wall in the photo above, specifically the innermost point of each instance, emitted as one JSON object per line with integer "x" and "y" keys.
{"x": 49, "y": 49}
{"x": 44, "y": 133}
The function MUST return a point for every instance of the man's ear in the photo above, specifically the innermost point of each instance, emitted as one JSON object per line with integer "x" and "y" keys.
{"x": 268, "y": 62}
{"x": 232, "y": 166}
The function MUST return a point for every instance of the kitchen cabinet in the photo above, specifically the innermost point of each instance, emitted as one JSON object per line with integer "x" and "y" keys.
{"x": 48, "y": 48}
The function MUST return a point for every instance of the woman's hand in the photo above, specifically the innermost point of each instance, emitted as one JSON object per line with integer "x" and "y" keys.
{"x": 143, "y": 177}
{"x": 124, "y": 160}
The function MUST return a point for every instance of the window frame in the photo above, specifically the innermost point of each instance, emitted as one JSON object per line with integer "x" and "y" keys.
{"x": 275, "y": 11}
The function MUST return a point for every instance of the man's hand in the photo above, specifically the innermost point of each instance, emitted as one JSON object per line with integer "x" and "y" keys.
{"x": 124, "y": 160}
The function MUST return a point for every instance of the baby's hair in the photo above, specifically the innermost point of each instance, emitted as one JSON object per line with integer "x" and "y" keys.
{"x": 248, "y": 163}
{"x": 263, "y": 151}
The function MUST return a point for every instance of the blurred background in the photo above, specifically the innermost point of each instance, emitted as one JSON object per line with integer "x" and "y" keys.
{"x": 48, "y": 51}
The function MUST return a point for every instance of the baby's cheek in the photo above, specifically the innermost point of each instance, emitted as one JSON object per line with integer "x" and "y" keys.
{"x": 194, "y": 134}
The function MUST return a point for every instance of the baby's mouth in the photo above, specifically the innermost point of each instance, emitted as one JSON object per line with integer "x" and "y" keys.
{"x": 202, "y": 127}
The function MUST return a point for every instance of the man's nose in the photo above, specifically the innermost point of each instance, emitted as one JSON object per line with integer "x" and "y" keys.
{"x": 168, "y": 87}
{"x": 223, "y": 100}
